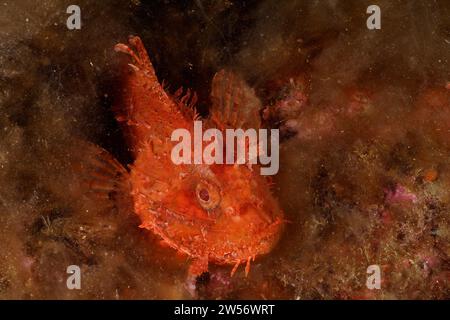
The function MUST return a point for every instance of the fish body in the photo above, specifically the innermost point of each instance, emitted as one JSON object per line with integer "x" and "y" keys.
{"x": 224, "y": 214}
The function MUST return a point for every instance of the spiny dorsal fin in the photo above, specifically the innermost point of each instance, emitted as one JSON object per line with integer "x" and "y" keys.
{"x": 234, "y": 102}
{"x": 186, "y": 102}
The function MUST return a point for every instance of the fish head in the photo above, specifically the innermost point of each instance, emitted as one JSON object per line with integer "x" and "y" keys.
{"x": 233, "y": 206}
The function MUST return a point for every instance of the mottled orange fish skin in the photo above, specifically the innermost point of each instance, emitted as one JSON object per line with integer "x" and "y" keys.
{"x": 224, "y": 214}
{"x": 149, "y": 113}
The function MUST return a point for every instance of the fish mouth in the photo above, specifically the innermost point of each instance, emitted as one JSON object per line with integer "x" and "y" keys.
{"x": 267, "y": 238}
{"x": 262, "y": 243}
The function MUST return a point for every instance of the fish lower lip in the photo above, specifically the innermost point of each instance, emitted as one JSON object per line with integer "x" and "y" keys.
{"x": 269, "y": 234}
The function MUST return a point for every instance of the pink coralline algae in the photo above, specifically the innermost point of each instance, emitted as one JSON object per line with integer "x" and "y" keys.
{"x": 400, "y": 194}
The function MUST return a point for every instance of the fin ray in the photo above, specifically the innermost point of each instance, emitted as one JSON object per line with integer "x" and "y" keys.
{"x": 234, "y": 102}
{"x": 100, "y": 176}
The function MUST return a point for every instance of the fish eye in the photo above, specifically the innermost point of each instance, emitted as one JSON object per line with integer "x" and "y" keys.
{"x": 203, "y": 195}
{"x": 208, "y": 195}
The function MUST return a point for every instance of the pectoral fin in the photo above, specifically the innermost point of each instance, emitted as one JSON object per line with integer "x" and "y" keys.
{"x": 100, "y": 177}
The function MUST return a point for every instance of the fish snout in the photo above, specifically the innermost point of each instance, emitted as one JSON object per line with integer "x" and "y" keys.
{"x": 258, "y": 215}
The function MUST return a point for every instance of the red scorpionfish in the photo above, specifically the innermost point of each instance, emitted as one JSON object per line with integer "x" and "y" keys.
{"x": 218, "y": 213}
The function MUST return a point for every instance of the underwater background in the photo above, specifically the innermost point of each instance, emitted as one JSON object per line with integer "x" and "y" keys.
{"x": 364, "y": 171}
